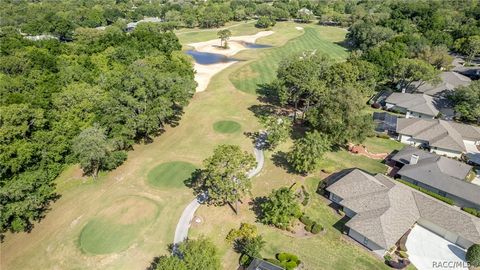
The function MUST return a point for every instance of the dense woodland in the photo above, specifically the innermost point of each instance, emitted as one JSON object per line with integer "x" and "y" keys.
{"x": 89, "y": 95}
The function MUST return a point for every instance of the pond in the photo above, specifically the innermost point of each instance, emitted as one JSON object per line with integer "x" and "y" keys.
{"x": 206, "y": 58}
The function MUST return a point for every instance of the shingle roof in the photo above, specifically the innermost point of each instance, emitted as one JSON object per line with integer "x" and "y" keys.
{"x": 258, "y": 264}
{"x": 414, "y": 102}
{"x": 439, "y": 172}
{"x": 449, "y": 81}
{"x": 390, "y": 209}
{"x": 439, "y": 133}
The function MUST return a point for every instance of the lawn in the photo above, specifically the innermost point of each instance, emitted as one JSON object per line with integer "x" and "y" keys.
{"x": 227, "y": 127}
{"x": 263, "y": 70}
{"x": 187, "y": 36}
{"x": 170, "y": 174}
{"x": 380, "y": 145}
{"x": 97, "y": 225}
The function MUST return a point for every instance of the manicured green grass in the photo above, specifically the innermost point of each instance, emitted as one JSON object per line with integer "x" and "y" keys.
{"x": 116, "y": 227}
{"x": 226, "y": 126}
{"x": 263, "y": 70}
{"x": 170, "y": 174}
{"x": 380, "y": 145}
{"x": 187, "y": 36}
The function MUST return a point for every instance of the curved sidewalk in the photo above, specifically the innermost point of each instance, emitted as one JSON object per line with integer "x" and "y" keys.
{"x": 181, "y": 231}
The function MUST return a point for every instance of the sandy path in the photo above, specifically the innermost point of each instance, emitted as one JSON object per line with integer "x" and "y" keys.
{"x": 236, "y": 44}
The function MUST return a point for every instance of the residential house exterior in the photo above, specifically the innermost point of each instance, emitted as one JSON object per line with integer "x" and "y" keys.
{"x": 444, "y": 176}
{"x": 382, "y": 210}
{"x": 413, "y": 105}
{"x": 439, "y": 136}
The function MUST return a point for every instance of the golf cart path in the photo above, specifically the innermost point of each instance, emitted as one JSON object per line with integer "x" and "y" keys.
{"x": 181, "y": 231}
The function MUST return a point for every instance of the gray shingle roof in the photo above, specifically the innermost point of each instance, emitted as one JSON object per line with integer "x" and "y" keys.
{"x": 414, "y": 102}
{"x": 258, "y": 264}
{"x": 439, "y": 133}
{"x": 439, "y": 172}
{"x": 449, "y": 81}
{"x": 390, "y": 209}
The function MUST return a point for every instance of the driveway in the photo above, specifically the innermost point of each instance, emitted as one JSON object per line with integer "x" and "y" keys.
{"x": 428, "y": 251}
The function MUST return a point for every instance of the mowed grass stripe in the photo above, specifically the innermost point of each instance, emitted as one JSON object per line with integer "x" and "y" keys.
{"x": 265, "y": 68}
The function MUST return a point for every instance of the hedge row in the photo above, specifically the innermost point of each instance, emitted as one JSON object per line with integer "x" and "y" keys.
{"x": 428, "y": 192}
{"x": 471, "y": 211}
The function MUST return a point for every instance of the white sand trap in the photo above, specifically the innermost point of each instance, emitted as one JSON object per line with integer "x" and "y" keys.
{"x": 236, "y": 44}
{"x": 299, "y": 28}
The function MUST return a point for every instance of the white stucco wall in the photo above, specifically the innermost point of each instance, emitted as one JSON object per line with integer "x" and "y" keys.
{"x": 411, "y": 114}
{"x": 411, "y": 141}
{"x": 369, "y": 244}
{"x": 445, "y": 152}
{"x": 348, "y": 212}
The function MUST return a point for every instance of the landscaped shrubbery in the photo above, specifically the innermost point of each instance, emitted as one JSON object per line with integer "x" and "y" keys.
{"x": 473, "y": 255}
{"x": 310, "y": 225}
{"x": 471, "y": 211}
{"x": 428, "y": 192}
{"x": 286, "y": 260}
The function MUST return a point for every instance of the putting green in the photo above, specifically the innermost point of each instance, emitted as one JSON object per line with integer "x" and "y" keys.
{"x": 170, "y": 174}
{"x": 116, "y": 227}
{"x": 226, "y": 126}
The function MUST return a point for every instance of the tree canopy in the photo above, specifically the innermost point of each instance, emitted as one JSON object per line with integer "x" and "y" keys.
{"x": 224, "y": 176}
{"x": 280, "y": 208}
{"x": 88, "y": 101}
{"x": 307, "y": 152}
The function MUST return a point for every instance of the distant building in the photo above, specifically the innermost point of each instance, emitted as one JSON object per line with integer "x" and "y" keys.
{"x": 441, "y": 137}
{"x": 132, "y": 25}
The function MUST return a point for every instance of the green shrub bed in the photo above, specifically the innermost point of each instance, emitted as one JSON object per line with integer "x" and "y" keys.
{"x": 428, "y": 192}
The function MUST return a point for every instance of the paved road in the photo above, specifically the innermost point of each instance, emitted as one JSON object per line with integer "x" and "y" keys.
{"x": 181, "y": 231}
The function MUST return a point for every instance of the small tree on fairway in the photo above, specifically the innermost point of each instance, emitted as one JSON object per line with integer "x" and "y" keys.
{"x": 224, "y": 177}
{"x": 278, "y": 129}
{"x": 198, "y": 254}
{"x": 473, "y": 255}
{"x": 91, "y": 148}
{"x": 224, "y": 36}
{"x": 308, "y": 151}
{"x": 280, "y": 208}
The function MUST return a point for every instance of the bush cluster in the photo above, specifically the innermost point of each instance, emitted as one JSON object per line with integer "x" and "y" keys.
{"x": 310, "y": 225}
{"x": 473, "y": 255}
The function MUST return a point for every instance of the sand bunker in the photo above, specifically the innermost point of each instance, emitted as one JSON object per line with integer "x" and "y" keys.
{"x": 236, "y": 44}
{"x": 298, "y": 28}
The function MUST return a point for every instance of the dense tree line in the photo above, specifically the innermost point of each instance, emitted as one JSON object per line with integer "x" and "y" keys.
{"x": 85, "y": 101}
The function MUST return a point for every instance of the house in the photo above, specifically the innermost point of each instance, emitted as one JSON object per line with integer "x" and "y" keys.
{"x": 441, "y": 137}
{"x": 382, "y": 210}
{"x": 131, "y": 26}
{"x": 444, "y": 176}
{"x": 258, "y": 264}
{"x": 413, "y": 105}
{"x": 385, "y": 122}
{"x": 449, "y": 81}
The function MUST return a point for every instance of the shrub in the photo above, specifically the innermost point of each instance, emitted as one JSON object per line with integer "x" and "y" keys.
{"x": 473, "y": 255}
{"x": 428, "y": 192}
{"x": 306, "y": 220}
{"x": 113, "y": 160}
{"x": 245, "y": 260}
{"x": 402, "y": 254}
{"x": 376, "y": 105}
{"x": 387, "y": 257}
{"x": 383, "y": 136}
{"x": 471, "y": 211}
{"x": 316, "y": 228}
{"x": 265, "y": 22}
